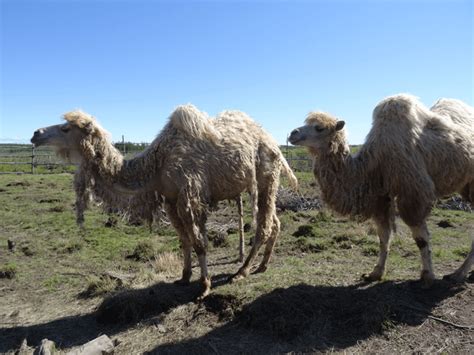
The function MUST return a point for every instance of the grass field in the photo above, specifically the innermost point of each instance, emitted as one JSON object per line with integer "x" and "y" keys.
{"x": 70, "y": 286}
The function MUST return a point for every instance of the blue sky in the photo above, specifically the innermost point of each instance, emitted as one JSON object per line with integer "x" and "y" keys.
{"x": 130, "y": 63}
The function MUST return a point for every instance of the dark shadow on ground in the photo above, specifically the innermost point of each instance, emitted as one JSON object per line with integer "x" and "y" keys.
{"x": 116, "y": 313}
{"x": 305, "y": 318}
{"x": 299, "y": 318}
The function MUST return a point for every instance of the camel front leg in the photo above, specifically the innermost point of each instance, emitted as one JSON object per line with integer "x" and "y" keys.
{"x": 186, "y": 244}
{"x": 422, "y": 238}
{"x": 384, "y": 233}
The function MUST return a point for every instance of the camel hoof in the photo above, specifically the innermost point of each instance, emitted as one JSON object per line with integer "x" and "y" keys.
{"x": 205, "y": 293}
{"x": 371, "y": 277}
{"x": 239, "y": 276}
{"x": 260, "y": 269}
{"x": 206, "y": 284}
{"x": 427, "y": 279}
{"x": 427, "y": 284}
{"x": 454, "y": 277}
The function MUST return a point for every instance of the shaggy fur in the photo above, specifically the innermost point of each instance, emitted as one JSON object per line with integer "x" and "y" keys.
{"x": 412, "y": 156}
{"x": 193, "y": 163}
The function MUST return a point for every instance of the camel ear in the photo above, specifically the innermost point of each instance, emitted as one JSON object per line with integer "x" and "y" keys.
{"x": 89, "y": 127}
{"x": 340, "y": 125}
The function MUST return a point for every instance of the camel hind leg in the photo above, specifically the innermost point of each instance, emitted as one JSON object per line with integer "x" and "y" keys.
{"x": 269, "y": 245}
{"x": 241, "y": 228}
{"x": 191, "y": 215}
{"x": 268, "y": 186}
{"x": 460, "y": 274}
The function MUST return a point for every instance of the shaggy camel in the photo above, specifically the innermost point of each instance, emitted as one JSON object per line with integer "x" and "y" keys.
{"x": 141, "y": 206}
{"x": 193, "y": 163}
{"x": 412, "y": 156}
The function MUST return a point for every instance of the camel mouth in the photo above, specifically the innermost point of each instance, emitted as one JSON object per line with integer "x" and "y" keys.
{"x": 296, "y": 136}
{"x": 294, "y": 139}
{"x": 36, "y": 141}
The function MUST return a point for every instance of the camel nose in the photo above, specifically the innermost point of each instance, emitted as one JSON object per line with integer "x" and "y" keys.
{"x": 38, "y": 132}
{"x": 36, "y": 135}
{"x": 295, "y": 136}
{"x": 294, "y": 133}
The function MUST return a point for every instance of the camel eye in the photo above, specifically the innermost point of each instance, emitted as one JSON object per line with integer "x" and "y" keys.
{"x": 65, "y": 128}
{"x": 318, "y": 129}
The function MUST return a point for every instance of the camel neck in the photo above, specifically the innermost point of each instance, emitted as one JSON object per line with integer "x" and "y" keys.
{"x": 123, "y": 176}
{"x": 342, "y": 180}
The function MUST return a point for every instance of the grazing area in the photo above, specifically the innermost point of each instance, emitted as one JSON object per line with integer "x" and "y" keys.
{"x": 71, "y": 285}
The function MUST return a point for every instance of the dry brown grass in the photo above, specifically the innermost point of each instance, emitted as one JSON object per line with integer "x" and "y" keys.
{"x": 167, "y": 263}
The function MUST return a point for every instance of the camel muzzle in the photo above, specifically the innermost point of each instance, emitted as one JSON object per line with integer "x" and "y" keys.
{"x": 38, "y": 137}
{"x": 295, "y": 136}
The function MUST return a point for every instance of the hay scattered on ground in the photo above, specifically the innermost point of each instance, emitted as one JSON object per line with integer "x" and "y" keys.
{"x": 289, "y": 200}
{"x": 455, "y": 203}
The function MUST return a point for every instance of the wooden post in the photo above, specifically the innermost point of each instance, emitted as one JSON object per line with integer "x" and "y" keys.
{"x": 32, "y": 159}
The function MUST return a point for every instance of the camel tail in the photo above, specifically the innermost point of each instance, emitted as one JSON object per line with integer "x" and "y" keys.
{"x": 292, "y": 180}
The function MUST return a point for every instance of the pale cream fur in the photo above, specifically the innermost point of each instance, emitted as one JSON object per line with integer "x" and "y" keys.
{"x": 412, "y": 156}
{"x": 193, "y": 163}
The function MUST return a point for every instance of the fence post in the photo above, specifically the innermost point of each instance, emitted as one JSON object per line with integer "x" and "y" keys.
{"x": 32, "y": 159}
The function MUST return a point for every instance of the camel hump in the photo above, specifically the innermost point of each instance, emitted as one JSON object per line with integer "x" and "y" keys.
{"x": 395, "y": 107}
{"x": 401, "y": 112}
{"x": 197, "y": 124}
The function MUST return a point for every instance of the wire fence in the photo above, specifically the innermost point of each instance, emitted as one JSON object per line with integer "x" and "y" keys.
{"x": 26, "y": 159}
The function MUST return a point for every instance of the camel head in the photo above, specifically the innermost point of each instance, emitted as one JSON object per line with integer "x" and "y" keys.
{"x": 72, "y": 140}
{"x": 320, "y": 132}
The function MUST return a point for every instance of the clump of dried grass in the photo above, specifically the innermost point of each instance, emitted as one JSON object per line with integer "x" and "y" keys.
{"x": 97, "y": 286}
{"x": 167, "y": 263}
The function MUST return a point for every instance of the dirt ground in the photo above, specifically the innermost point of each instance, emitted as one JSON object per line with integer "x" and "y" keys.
{"x": 310, "y": 299}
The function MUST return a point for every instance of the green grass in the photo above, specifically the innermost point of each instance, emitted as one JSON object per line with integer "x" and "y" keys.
{"x": 60, "y": 261}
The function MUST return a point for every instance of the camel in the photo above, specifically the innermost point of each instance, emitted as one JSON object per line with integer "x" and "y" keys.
{"x": 412, "y": 156}
{"x": 193, "y": 163}
{"x": 144, "y": 206}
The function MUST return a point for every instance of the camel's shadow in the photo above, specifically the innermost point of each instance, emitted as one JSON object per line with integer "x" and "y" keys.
{"x": 303, "y": 317}
{"x": 116, "y": 313}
